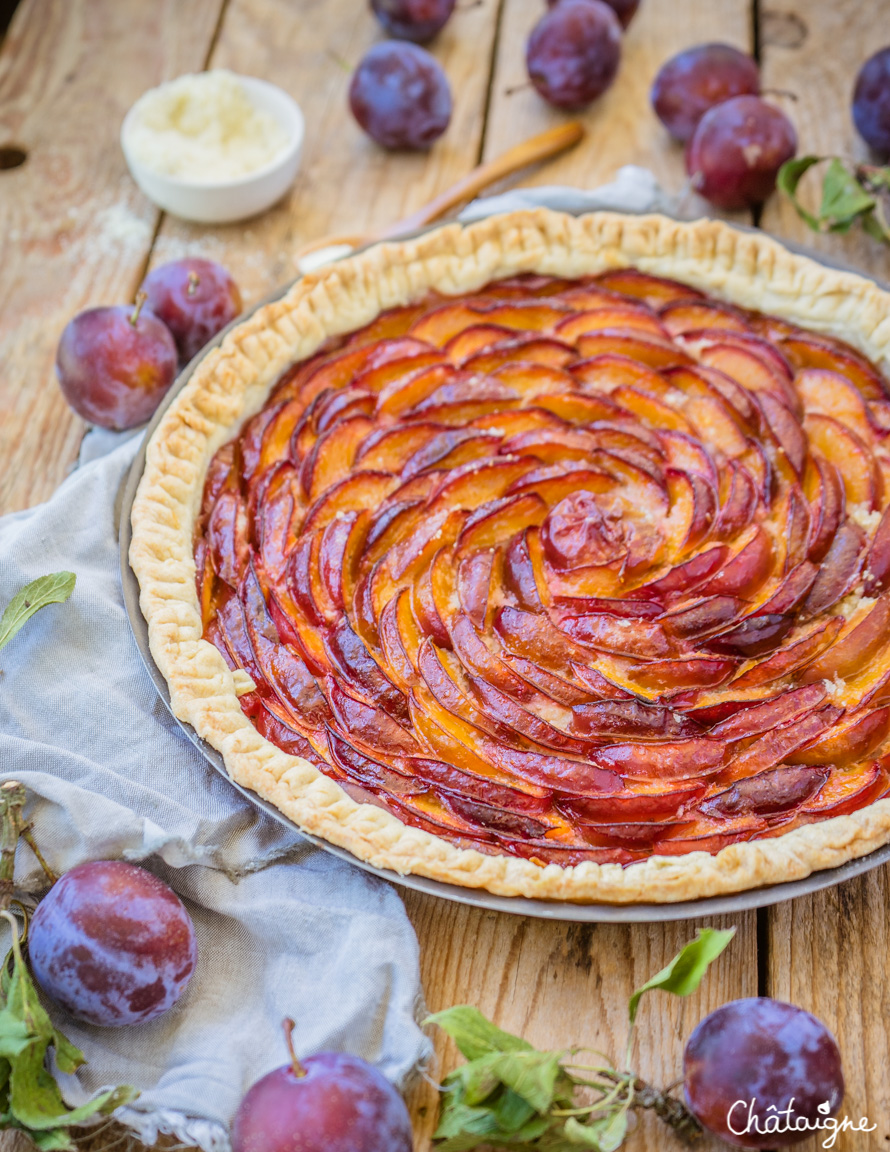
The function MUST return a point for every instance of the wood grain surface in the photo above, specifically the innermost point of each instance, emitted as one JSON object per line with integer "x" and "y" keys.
{"x": 75, "y": 231}
{"x": 561, "y": 985}
{"x": 828, "y": 952}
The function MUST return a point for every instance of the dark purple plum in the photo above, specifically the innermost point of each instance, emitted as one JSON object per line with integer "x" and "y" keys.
{"x": 871, "y": 102}
{"x": 417, "y": 20}
{"x": 772, "y": 1054}
{"x": 625, "y": 10}
{"x": 698, "y": 79}
{"x": 112, "y": 944}
{"x": 737, "y": 150}
{"x": 400, "y": 96}
{"x": 115, "y": 364}
{"x": 573, "y": 52}
{"x": 332, "y": 1102}
{"x": 195, "y": 298}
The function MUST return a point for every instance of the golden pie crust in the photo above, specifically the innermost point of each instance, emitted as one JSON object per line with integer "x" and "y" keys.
{"x": 232, "y": 383}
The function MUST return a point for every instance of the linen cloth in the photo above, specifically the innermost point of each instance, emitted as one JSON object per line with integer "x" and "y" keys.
{"x": 284, "y": 928}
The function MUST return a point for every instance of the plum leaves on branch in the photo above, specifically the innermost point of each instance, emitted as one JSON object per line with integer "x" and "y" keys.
{"x": 510, "y": 1095}
{"x": 850, "y": 194}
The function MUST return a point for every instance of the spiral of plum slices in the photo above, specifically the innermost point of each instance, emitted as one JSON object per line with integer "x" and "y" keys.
{"x": 569, "y": 570}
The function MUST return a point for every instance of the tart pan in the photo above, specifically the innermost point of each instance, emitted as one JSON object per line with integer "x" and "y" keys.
{"x": 480, "y": 898}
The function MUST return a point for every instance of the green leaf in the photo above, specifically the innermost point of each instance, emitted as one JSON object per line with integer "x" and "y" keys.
{"x": 533, "y": 1130}
{"x": 68, "y": 1058}
{"x": 790, "y": 175}
{"x": 458, "y": 1119}
{"x": 605, "y": 1134}
{"x": 611, "y": 1130}
{"x": 15, "y": 1035}
{"x": 684, "y": 973}
{"x": 843, "y": 198}
{"x": 583, "y": 1135}
{"x": 512, "y": 1112}
{"x": 475, "y": 1035}
{"x": 474, "y": 1082}
{"x": 54, "y": 1140}
{"x": 532, "y": 1075}
{"x": 52, "y": 589}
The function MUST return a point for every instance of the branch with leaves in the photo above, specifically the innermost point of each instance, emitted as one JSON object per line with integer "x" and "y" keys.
{"x": 510, "y": 1095}
{"x": 851, "y": 194}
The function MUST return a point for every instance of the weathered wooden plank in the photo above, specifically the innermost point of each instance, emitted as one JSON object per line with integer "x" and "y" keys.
{"x": 567, "y": 984}
{"x": 346, "y": 183}
{"x": 828, "y": 952}
{"x": 74, "y": 230}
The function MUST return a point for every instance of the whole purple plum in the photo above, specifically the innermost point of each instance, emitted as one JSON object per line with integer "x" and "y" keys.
{"x": 573, "y": 52}
{"x": 758, "y": 1073}
{"x": 417, "y": 20}
{"x": 112, "y": 944}
{"x": 400, "y": 96}
{"x": 115, "y": 364}
{"x": 871, "y": 102}
{"x": 332, "y": 1102}
{"x": 195, "y": 298}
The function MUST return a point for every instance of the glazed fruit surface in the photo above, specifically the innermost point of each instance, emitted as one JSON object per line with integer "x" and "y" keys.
{"x": 570, "y": 570}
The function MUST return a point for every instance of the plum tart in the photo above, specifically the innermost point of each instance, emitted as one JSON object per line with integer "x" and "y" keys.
{"x": 549, "y": 555}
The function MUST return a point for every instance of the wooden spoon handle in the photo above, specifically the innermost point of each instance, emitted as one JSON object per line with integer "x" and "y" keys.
{"x": 531, "y": 151}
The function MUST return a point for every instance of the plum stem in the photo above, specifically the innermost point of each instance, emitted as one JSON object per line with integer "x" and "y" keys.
{"x": 194, "y": 280}
{"x": 779, "y": 92}
{"x": 13, "y": 825}
{"x": 668, "y": 1108}
{"x": 299, "y": 1070}
{"x": 16, "y": 943}
{"x": 141, "y": 297}
{"x": 12, "y": 821}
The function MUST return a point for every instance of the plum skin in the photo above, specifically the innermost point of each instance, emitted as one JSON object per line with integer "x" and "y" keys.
{"x": 573, "y": 52}
{"x": 764, "y": 1049}
{"x": 112, "y": 944}
{"x": 417, "y": 20}
{"x": 871, "y": 102}
{"x": 400, "y": 96}
{"x": 736, "y": 151}
{"x": 339, "y": 1104}
{"x": 625, "y": 10}
{"x": 195, "y": 298}
{"x": 114, "y": 372}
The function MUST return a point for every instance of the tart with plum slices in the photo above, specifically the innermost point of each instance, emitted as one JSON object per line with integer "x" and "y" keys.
{"x": 547, "y": 555}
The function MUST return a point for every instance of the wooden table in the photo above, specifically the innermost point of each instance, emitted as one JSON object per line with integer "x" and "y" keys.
{"x": 75, "y": 232}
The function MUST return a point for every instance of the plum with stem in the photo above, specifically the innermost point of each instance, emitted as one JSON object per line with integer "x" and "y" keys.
{"x": 330, "y": 1102}
{"x": 115, "y": 364}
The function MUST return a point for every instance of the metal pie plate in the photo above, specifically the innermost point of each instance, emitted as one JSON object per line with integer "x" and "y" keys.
{"x": 477, "y": 897}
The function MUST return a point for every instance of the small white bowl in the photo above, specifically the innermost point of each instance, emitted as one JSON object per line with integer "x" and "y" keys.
{"x": 224, "y": 201}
